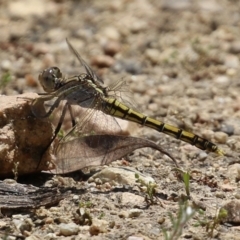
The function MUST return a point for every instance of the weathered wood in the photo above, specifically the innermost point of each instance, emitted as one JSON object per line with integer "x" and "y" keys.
{"x": 16, "y": 196}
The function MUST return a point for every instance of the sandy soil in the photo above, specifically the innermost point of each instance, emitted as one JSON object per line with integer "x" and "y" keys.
{"x": 181, "y": 61}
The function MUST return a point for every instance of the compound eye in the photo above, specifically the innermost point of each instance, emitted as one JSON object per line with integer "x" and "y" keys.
{"x": 49, "y": 78}
{"x": 56, "y": 71}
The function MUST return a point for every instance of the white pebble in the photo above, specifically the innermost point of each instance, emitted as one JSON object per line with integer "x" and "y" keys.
{"x": 68, "y": 229}
{"x": 6, "y": 65}
{"x": 221, "y": 137}
{"x": 152, "y": 55}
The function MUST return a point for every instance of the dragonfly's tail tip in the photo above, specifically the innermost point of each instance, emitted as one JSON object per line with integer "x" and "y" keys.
{"x": 220, "y": 152}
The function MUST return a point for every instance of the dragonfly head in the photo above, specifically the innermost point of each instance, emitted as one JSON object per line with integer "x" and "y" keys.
{"x": 50, "y": 79}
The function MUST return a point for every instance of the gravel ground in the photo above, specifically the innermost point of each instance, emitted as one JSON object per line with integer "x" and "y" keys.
{"x": 181, "y": 62}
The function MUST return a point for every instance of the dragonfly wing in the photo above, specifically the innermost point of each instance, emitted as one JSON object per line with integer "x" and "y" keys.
{"x": 89, "y": 122}
{"x": 88, "y": 69}
{"x": 97, "y": 150}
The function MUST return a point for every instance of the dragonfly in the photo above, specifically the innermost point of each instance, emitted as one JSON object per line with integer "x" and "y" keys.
{"x": 87, "y": 91}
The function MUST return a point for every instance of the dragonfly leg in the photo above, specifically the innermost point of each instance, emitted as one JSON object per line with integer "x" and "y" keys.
{"x": 65, "y": 108}
{"x": 41, "y": 101}
{"x": 71, "y": 114}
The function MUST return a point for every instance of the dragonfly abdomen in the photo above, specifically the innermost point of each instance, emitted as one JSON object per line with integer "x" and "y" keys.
{"x": 181, "y": 134}
{"x": 117, "y": 109}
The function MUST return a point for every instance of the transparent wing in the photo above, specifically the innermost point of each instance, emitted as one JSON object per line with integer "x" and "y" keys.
{"x": 89, "y": 122}
{"x": 97, "y": 150}
{"x": 88, "y": 69}
{"x": 120, "y": 90}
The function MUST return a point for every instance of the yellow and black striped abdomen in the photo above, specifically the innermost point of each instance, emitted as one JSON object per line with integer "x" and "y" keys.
{"x": 117, "y": 109}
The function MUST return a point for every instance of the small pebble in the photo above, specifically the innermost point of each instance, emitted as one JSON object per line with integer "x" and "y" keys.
{"x": 91, "y": 181}
{"x": 112, "y": 224}
{"x": 235, "y": 47}
{"x": 233, "y": 213}
{"x": 152, "y": 92}
{"x": 129, "y": 199}
{"x": 98, "y": 226}
{"x": 146, "y": 164}
{"x": 9, "y": 181}
{"x": 48, "y": 60}
{"x": 208, "y": 134}
{"x": 161, "y": 220}
{"x": 135, "y": 212}
{"x": 39, "y": 222}
{"x": 221, "y": 137}
{"x": 98, "y": 181}
{"x": 6, "y": 65}
{"x": 175, "y": 5}
{"x": 237, "y": 195}
{"x": 132, "y": 67}
{"x": 84, "y": 228}
{"x": 202, "y": 156}
{"x": 50, "y": 236}
{"x": 222, "y": 81}
{"x": 138, "y": 25}
{"x": 68, "y": 229}
{"x": 3, "y": 224}
{"x": 231, "y": 72}
{"x": 107, "y": 185}
{"x": 135, "y": 238}
{"x": 111, "y": 33}
{"x": 220, "y": 195}
{"x": 75, "y": 197}
{"x": 233, "y": 171}
{"x": 231, "y": 61}
{"x": 26, "y": 225}
{"x": 157, "y": 164}
{"x": 30, "y": 80}
{"x": 152, "y": 55}
{"x": 49, "y": 220}
{"x": 42, "y": 213}
{"x": 153, "y": 107}
{"x": 54, "y": 209}
{"x": 55, "y": 33}
{"x": 228, "y": 129}
{"x": 123, "y": 214}
{"x": 111, "y": 48}
{"x": 102, "y": 61}
{"x": 40, "y": 48}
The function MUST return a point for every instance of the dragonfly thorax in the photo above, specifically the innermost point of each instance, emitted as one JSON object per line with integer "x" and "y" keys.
{"x": 81, "y": 92}
{"x": 83, "y": 77}
{"x": 50, "y": 79}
